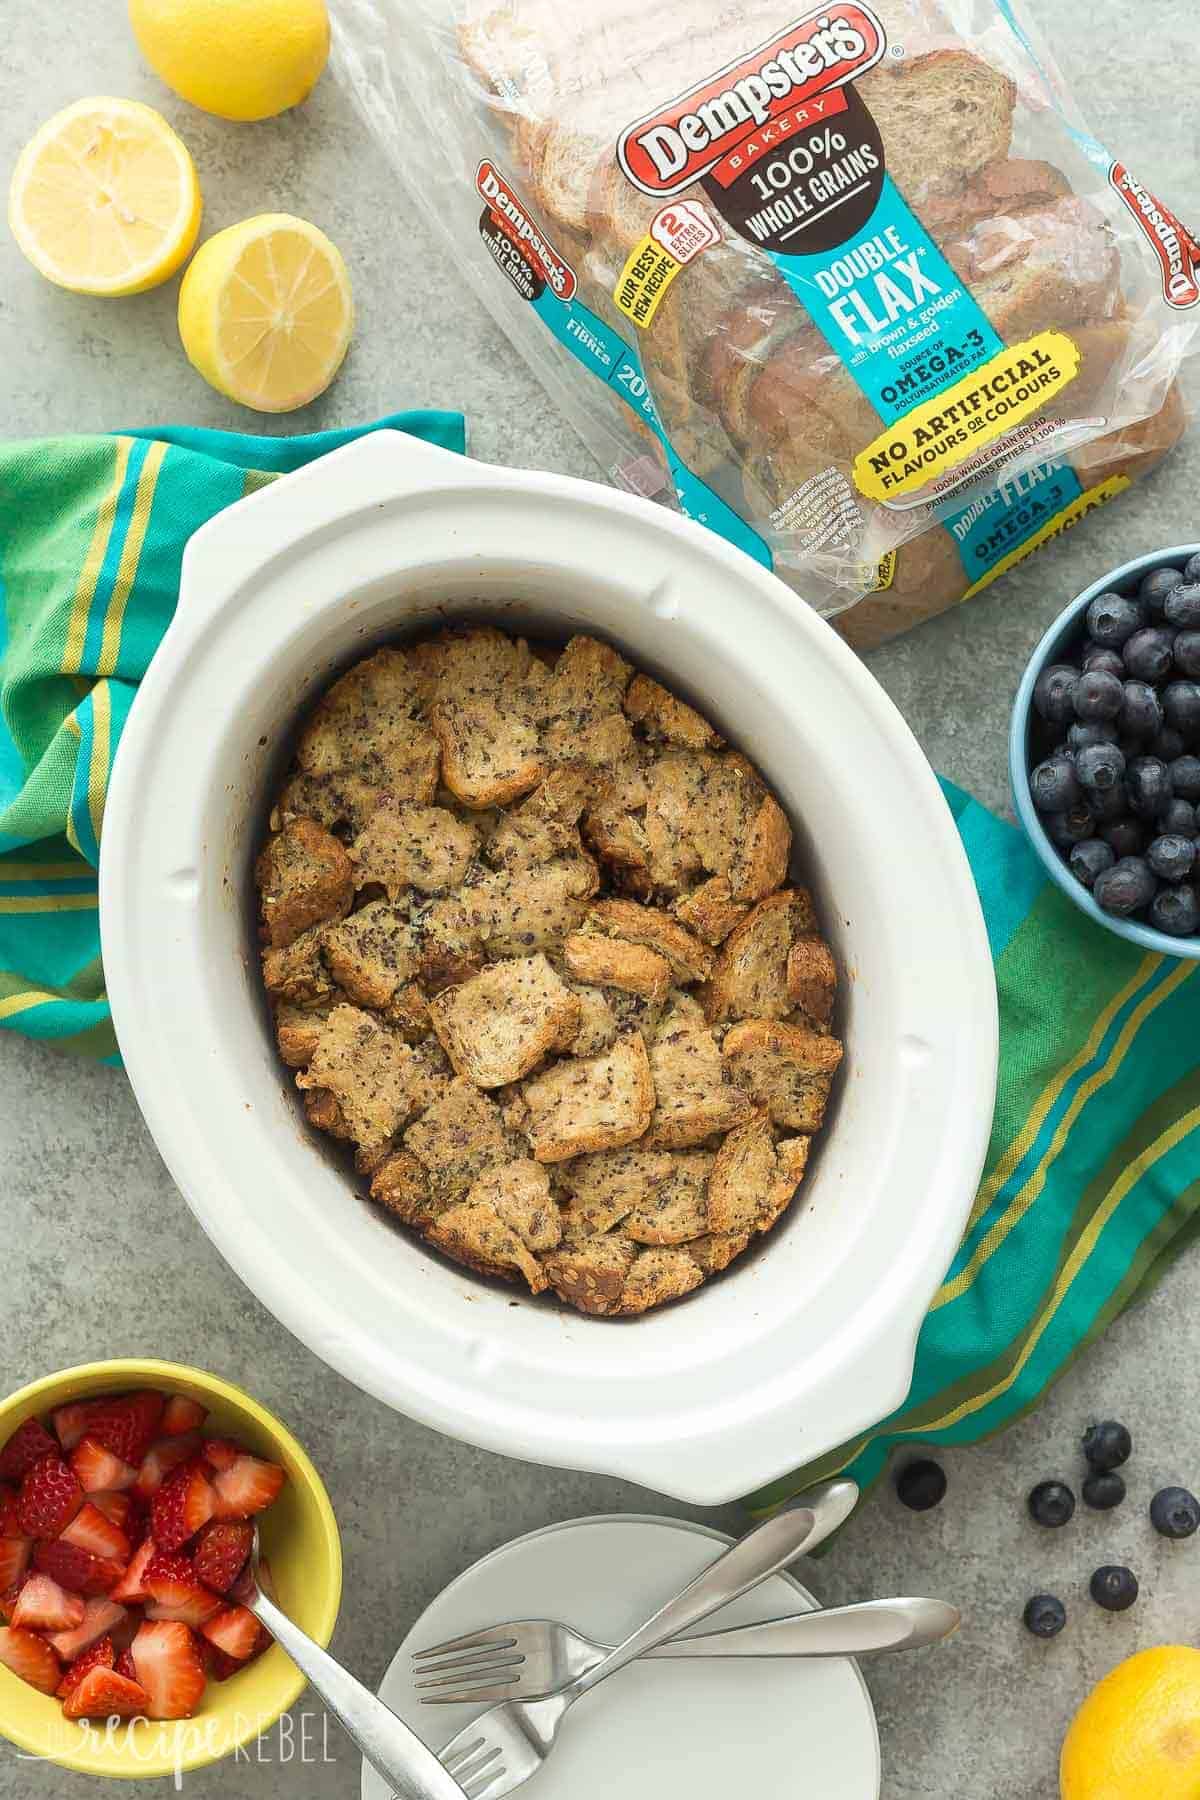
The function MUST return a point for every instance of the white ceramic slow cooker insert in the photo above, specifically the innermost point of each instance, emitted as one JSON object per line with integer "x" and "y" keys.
{"x": 807, "y": 1339}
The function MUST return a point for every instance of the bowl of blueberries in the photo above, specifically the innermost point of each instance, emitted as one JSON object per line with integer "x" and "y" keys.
{"x": 1105, "y": 751}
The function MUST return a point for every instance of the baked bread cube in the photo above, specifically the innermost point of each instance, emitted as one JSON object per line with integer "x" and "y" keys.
{"x": 490, "y": 753}
{"x": 373, "y": 953}
{"x": 341, "y": 801}
{"x": 688, "y": 958}
{"x": 477, "y": 1236}
{"x": 401, "y": 1185}
{"x": 784, "y": 1067}
{"x": 459, "y": 1137}
{"x": 590, "y": 1274}
{"x": 662, "y": 716}
{"x": 298, "y": 1030}
{"x": 656, "y": 1277}
{"x": 501, "y": 1023}
{"x": 812, "y": 977}
{"x": 694, "y": 1096}
{"x": 377, "y": 1079}
{"x": 590, "y": 1103}
{"x": 612, "y": 962}
{"x": 710, "y": 910}
{"x": 750, "y": 978}
{"x": 304, "y": 878}
{"x": 296, "y": 972}
{"x": 422, "y": 847}
{"x": 603, "y": 1188}
{"x": 367, "y": 725}
{"x": 518, "y": 913}
{"x": 678, "y": 1211}
{"x": 754, "y": 1178}
{"x": 519, "y": 1193}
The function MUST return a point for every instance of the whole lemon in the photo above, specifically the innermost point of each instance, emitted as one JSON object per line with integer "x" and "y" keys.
{"x": 240, "y": 59}
{"x": 1137, "y": 1735}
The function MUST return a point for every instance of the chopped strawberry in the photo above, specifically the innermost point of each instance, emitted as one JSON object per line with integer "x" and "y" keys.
{"x": 30, "y": 1657}
{"x": 27, "y": 1445}
{"x": 100, "y": 1617}
{"x": 103, "y": 1694}
{"x": 98, "y": 1656}
{"x": 221, "y": 1552}
{"x": 75, "y": 1568}
{"x": 118, "y": 1509}
{"x": 126, "y": 1425}
{"x": 130, "y": 1589}
{"x": 50, "y": 1498}
{"x": 182, "y": 1414}
{"x": 70, "y": 1422}
{"x": 219, "y": 1665}
{"x": 14, "y": 1560}
{"x": 125, "y": 1665}
{"x": 9, "y": 1598}
{"x": 163, "y": 1456}
{"x": 222, "y": 1453}
{"x": 44, "y": 1606}
{"x": 10, "y": 1502}
{"x": 246, "y": 1583}
{"x": 183, "y": 1503}
{"x": 174, "y": 1587}
{"x": 125, "y": 1630}
{"x": 169, "y": 1668}
{"x": 91, "y": 1530}
{"x": 97, "y": 1468}
{"x": 233, "y": 1630}
{"x": 246, "y": 1487}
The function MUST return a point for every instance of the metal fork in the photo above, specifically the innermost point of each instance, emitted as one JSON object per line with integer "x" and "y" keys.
{"x": 499, "y": 1751}
{"x": 538, "y": 1655}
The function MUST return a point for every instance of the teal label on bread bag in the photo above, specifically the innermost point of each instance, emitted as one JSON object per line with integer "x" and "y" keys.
{"x": 990, "y": 527}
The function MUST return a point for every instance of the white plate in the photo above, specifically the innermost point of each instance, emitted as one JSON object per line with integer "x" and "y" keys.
{"x": 777, "y": 1730}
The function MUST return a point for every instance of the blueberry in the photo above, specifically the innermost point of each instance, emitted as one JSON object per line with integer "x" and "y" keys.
{"x": 1182, "y": 606}
{"x": 1176, "y": 910}
{"x": 1179, "y": 819}
{"x": 1051, "y": 1503}
{"x": 1171, "y": 858}
{"x": 1126, "y": 887}
{"x": 1101, "y": 732}
{"x": 1167, "y": 745}
{"x": 1111, "y": 806}
{"x": 1103, "y": 1489}
{"x": 1174, "y": 1513}
{"x": 1100, "y": 766}
{"x": 1071, "y": 827}
{"x": 1187, "y": 653}
{"x": 1141, "y": 714}
{"x": 1054, "y": 693}
{"x": 1044, "y": 1615}
{"x": 1107, "y": 1445}
{"x": 1098, "y": 695}
{"x": 1191, "y": 568}
{"x": 1114, "y": 1588}
{"x": 1155, "y": 587}
{"x": 1149, "y": 784}
{"x": 1126, "y": 837}
{"x": 1111, "y": 619}
{"x": 921, "y": 1485}
{"x": 1090, "y": 859}
{"x": 1148, "y": 653}
{"x": 1054, "y": 785}
{"x": 1181, "y": 706}
{"x": 1185, "y": 778}
{"x": 1095, "y": 656}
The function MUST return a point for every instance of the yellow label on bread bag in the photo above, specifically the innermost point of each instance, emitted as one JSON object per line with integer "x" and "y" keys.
{"x": 1080, "y": 507}
{"x": 941, "y": 433}
{"x": 644, "y": 280}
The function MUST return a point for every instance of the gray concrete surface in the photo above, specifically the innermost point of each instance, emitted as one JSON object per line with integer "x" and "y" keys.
{"x": 101, "y": 1255}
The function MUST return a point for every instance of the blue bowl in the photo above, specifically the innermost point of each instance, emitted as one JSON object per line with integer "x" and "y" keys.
{"x": 1063, "y": 637}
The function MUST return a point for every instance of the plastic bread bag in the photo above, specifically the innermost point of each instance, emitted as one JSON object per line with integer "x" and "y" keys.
{"x": 854, "y": 286}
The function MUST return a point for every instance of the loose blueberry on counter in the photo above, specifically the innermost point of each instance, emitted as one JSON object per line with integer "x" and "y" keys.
{"x": 1141, "y": 714}
{"x": 1176, "y": 910}
{"x": 1155, "y": 587}
{"x": 1112, "y": 618}
{"x": 1099, "y": 766}
{"x": 1182, "y": 606}
{"x": 1107, "y": 1445}
{"x": 1172, "y": 858}
{"x": 1054, "y": 693}
{"x": 1187, "y": 653}
{"x": 1114, "y": 1588}
{"x": 1103, "y": 1489}
{"x": 1054, "y": 785}
{"x": 1090, "y": 859}
{"x": 1126, "y": 887}
{"x": 1149, "y": 782}
{"x": 1185, "y": 778}
{"x": 1098, "y": 695}
{"x": 1174, "y": 1513}
{"x": 1148, "y": 653}
{"x": 1181, "y": 707}
{"x": 1179, "y": 819}
{"x": 1095, "y": 656}
{"x": 1125, "y": 836}
{"x": 1044, "y": 1615}
{"x": 1071, "y": 827}
{"x": 1051, "y": 1504}
{"x": 1099, "y": 731}
{"x": 921, "y": 1485}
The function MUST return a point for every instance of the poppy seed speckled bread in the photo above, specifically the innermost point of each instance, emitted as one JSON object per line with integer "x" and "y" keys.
{"x": 522, "y": 1014}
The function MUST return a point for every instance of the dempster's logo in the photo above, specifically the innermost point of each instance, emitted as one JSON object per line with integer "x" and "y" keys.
{"x": 675, "y": 145}
{"x": 513, "y": 218}
{"x": 1173, "y": 244}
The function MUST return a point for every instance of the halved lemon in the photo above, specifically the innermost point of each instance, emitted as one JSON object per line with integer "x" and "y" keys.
{"x": 265, "y": 312}
{"x": 104, "y": 198}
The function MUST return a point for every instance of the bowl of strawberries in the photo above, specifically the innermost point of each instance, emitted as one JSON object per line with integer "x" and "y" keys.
{"x": 129, "y": 1494}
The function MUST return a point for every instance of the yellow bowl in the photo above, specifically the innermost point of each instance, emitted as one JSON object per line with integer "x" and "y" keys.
{"x": 300, "y": 1540}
